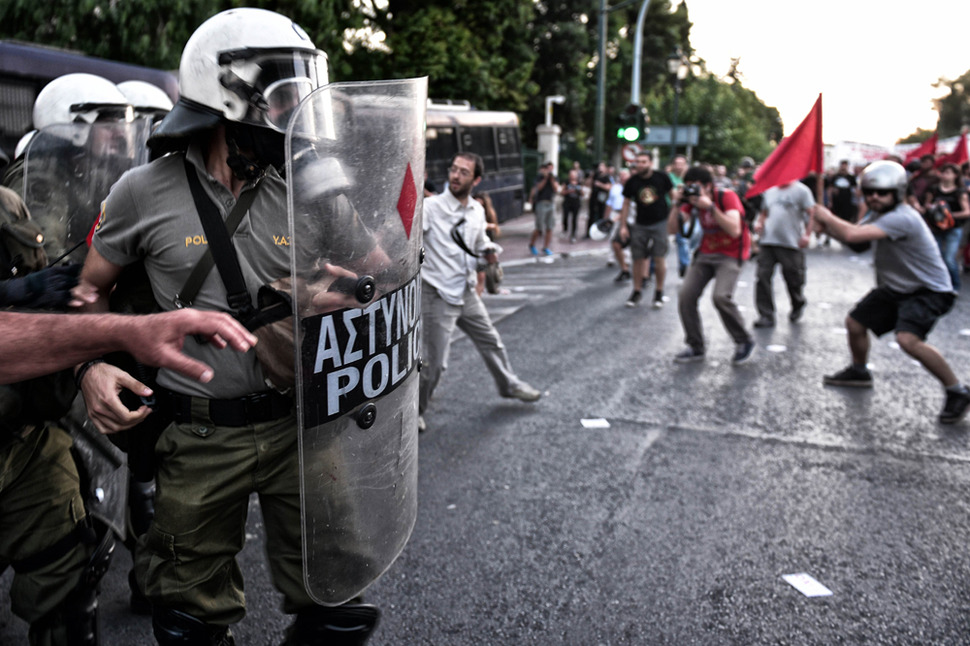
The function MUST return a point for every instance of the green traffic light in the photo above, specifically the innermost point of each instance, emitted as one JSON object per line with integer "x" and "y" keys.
{"x": 630, "y": 133}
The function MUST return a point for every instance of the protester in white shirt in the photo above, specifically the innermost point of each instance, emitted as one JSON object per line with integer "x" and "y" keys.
{"x": 454, "y": 239}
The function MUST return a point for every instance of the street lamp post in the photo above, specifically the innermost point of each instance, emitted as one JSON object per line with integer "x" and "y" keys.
{"x": 677, "y": 66}
{"x": 549, "y": 132}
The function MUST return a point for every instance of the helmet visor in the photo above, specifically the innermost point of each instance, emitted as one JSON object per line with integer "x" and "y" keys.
{"x": 273, "y": 82}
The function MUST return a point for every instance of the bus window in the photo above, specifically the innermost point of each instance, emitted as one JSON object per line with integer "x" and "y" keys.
{"x": 442, "y": 146}
{"x": 509, "y": 151}
{"x": 479, "y": 140}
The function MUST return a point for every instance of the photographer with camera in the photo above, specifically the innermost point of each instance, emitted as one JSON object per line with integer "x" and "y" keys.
{"x": 724, "y": 247}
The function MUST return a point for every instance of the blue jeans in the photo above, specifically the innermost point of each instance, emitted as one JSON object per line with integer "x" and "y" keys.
{"x": 949, "y": 243}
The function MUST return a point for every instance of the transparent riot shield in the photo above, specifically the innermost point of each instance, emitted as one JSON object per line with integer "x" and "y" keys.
{"x": 355, "y": 170}
{"x": 69, "y": 169}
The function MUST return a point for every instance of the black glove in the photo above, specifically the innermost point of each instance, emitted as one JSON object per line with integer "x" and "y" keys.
{"x": 48, "y": 289}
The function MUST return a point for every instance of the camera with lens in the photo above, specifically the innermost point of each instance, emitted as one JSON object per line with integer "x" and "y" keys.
{"x": 692, "y": 190}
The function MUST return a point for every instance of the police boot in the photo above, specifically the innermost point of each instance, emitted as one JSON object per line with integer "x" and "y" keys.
{"x": 347, "y": 625}
{"x": 75, "y": 619}
{"x": 174, "y": 628}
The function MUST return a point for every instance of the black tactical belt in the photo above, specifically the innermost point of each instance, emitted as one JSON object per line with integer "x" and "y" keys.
{"x": 242, "y": 411}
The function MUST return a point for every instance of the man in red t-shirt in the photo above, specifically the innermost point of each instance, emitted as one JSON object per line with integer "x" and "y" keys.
{"x": 724, "y": 247}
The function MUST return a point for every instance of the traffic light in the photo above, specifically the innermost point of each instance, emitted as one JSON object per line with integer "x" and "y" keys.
{"x": 632, "y": 123}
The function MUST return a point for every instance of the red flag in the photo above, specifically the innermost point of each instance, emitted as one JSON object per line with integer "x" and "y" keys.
{"x": 958, "y": 156}
{"x": 795, "y": 157}
{"x": 928, "y": 147}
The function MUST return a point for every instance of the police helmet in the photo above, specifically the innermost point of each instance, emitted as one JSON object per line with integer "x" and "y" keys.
{"x": 248, "y": 66}
{"x": 80, "y": 97}
{"x": 22, "y": 144}
{"x": 147, "y": 99}
{"x": 884, "y": 175}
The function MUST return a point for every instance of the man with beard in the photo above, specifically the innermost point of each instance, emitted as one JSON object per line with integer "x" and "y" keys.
{"x": 913, "y": 288}
{"x": 648, "y": 191}
{"x": 454, "y": 239}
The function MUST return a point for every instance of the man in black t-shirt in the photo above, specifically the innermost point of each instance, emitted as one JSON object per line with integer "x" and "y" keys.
{"x": 842, "y": 193}
{"x": 648, "y": 190}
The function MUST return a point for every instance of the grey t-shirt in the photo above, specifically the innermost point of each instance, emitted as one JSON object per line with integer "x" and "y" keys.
{"x": 150, "y": 214}
{"x": 787, "y": 208}
{"x": 909, "y": 259}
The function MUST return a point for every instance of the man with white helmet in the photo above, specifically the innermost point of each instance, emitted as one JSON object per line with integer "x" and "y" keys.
{"x": 47, "y": 534}
{"x": 913, "y": 288}
{"x": 146, "y": 99}
{"x": 242, "y": 73}
{"x": 71, "y": 98}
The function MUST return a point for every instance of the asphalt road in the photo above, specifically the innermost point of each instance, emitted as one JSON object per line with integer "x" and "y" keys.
{"x": 676, "y": 523}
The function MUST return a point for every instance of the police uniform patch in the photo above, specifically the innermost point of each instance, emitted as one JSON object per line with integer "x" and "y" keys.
{"x": 97, "y": 225}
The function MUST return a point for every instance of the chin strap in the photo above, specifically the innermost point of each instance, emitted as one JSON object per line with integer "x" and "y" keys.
{"x": 242, "y": 167}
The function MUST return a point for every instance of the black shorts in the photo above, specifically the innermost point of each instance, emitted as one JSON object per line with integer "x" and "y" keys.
{"x": 883, "y": 310}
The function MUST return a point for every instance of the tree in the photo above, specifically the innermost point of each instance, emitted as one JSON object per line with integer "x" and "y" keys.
{"x": 954, "y": 108}
{"x": 497, "y": 54}
{"x": 731, "y": 120}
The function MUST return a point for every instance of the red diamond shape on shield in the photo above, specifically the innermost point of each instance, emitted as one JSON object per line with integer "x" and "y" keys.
{"x": 407, "y": 201}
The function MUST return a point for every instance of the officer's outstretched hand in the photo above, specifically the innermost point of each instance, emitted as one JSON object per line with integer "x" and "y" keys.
{"x": 101, "y": 386}
{"x": 155, "y": 340}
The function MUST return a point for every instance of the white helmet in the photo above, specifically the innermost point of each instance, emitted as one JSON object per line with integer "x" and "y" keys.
{"x": 80, "y": 97}
{"x": 244, "y": 65}
{"x": 22, "y": 144}
{"x": 885, "y": 174}
{"x": 146, "y": 98}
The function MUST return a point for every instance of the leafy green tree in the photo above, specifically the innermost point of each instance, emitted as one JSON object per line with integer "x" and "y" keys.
{"x": 917, "y": 137}
{"x": 954, "y": 108}
{"x": 477, "y": 51}
{"x": 731, "y": 120}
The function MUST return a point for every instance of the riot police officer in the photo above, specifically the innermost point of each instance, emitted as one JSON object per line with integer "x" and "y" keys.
{"x": 240, "y": 74}
{"x": 57, "y": 551}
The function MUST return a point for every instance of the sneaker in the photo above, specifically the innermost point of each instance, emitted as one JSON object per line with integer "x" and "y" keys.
{"x": 634, "y": 299}
{"x": 743, "y": 352}
{"x": 658, "y": 300}
{"x": 796, "y": 313}
{"x": 523, "y": 392}
{"x": 547, "y": 252}
{"x": 623, "y": 275}
{"x": 421, "y": 425}
{"x": 851, "y": 377}
{"x": 956, "y": 406}
{"x": 533, "y": 250}
{"x": 690, "y": 355}
{"x": 764, "y": 322}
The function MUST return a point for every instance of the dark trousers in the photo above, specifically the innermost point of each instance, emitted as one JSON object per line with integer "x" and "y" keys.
{"x": 570, "y": 215}
{"x": 596, "y": 209}
{"x": 792, "y": 263}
